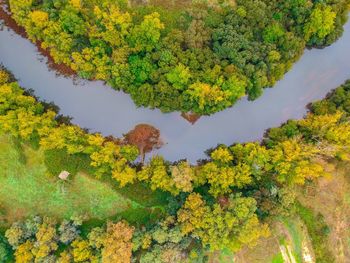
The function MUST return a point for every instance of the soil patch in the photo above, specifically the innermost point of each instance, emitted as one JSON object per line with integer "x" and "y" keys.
{"x": 264, "y": 251}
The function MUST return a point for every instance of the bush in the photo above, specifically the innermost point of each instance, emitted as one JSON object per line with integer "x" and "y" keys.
{"x": 318, "y": 231}
{"x": 57, "y": 161}
{"x": 4, "y": 77}
{"x": 5, "y": 250}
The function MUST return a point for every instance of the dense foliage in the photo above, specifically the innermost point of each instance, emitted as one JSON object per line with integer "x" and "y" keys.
{"x": 221, "y": 203}
{"x": 43, "y": 240}
{"x": 199, "y": 58}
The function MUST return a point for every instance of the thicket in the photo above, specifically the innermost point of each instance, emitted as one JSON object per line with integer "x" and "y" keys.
{"x": 319, "y": 232}
{"x": 221, "y": 203}
{"x": 200, "y": 58}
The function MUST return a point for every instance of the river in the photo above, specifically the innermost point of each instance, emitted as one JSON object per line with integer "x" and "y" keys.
{"x": 99, "y": 108}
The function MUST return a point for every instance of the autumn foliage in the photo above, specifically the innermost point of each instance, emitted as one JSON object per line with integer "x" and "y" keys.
{"x": 200, "y": 59}
{"x": 215, "y": 201}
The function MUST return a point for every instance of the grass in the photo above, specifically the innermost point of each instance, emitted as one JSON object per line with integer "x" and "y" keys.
{"x": 278, "y": 258}
{"x": 28, "y": 189}
{"x": 326, "y": 202}
{"x": 296, "y": 234}
{"x": 141, "y": 194}
{"x": 58, "y": 160}
{"x": 226, "y": 256}
{"x": 320, "y": 225}
{"x": 318, "y": 231}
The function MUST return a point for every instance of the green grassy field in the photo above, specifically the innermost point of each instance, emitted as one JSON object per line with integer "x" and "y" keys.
{"x": 294, "y": 228}
{"x": 28, "y": 189}
{"x": 278, "y": 258}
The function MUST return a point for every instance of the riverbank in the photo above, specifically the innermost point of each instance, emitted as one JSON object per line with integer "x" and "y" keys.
{"x": 315, "y": 75}
{"x": 5, "y": 16}
{"x": 62, "y": 69}
{"x": 200, "y": 78}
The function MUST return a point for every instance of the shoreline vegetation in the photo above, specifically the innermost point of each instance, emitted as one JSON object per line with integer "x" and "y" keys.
{"x": 199, "y": 66}
{"x": 60, "y": 68}
{"x": 11, "y": 23}
{"x": 223, "y": 202}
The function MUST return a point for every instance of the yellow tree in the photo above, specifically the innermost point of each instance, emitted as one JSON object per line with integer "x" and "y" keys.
{"x": 123, "y": 173}
{"x": 205, "y": 97}
{"x": 331, "y": 128}
{"x": 221, "y": 155}
{"x": 294, "y": 161}
{"x": 145, "y": 37}
{"x": 113, "y": 27}
{"x": 231, "y": 226}
{"x": 21, "y": 115}
{"x": 222, "y": 178}
{"x": 117, "y": 246}
{"x": 156, "y": 174}
{"x": 330, "y": 131}
{"x": 36, "y": 23}
{"x": 4, "y": 77}
{"x": 65, "y": 257}
{"x": 46, "y": 239}
{"x": 82, "y": 252}
{"x": 69, "y": 137}
{"x": 192, "y": 213}
{"x": 23, "y": 253}
{"x": 254, "y": 155}
{"x": 183, "y": 176}
{"x": 321, "y": 22}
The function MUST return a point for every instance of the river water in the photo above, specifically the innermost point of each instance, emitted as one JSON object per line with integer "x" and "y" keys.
{"x": 102, "y": 109}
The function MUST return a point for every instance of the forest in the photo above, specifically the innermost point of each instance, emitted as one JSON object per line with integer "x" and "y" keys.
{"x": 198, "y": 57}
{"x": 225, "y": 202}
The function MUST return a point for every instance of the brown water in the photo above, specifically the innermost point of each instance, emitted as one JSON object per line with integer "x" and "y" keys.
{"x": 102, "y": 109}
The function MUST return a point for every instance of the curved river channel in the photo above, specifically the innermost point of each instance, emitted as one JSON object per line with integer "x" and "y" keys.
{"x": 99, "y": 108}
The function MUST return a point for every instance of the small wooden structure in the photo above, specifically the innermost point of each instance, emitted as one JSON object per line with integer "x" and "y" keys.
{"x": 64, "y": 175}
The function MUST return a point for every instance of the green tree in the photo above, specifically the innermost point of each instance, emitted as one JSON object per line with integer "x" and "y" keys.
{"x": 144, "y": 37}
{"x": 156, "y": 174}
{"x": 219, "y": 227}
{"x": 68, "y": 231}
{"x": 179, "y": 77}
{"x": 5, "y": 250}
{"x": 273, "y": 33}
{"x": 321, "y": 22}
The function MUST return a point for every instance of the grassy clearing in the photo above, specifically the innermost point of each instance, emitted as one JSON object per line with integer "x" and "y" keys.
{"x": 58, "y": 160}
{"x": 295, "y": 232}
{"x": 147, "y": 205}
{"x": 319, "y": 232}
{"x": 278, "y": 258}
{"x": 326, "y": 210}
{"x": 320, "y": 228}
{"x": 287, "y": 234}
{"x": 265, "y": 251}
{"x": 140, "y": 193}
{"x": 226, "y": 256}
{"x": 28, "y": 189}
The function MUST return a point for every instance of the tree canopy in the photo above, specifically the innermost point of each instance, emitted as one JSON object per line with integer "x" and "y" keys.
{"x": 220, "y": 203}
{"x": 201, "y": 58}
